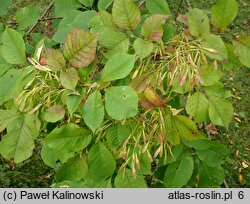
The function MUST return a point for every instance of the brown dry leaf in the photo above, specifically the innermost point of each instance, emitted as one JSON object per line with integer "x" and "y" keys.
{"x": 153, "y": 97}
{"x": 244, "y": 164}
{"x": 237, "y": 119}
{"x": 139, "y": 84}
{"x": 145, "y": 103}
{"x": 241, "y": 178}
{"x": 212, "y": 129}
{"x": 237, "y": 153}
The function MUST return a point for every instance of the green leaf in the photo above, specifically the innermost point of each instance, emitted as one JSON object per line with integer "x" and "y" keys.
{"x": 157, "y": 7}
{"x": 176, "y": 153}
{"x": 121, "y": 48}
{"x": 73, "y": 102}
{"x": 187, "y": 128}
{"x": 7, "y": 117}
{"x": 69, "y": 78}
{"x": 101, "y": 162}
{"x": 210, "y": 177}
{"x": 143, "y": 48}
{"x": 214, "y": 155}
{"x": 214, "y": 47}
{"x": 209, "y": 75}
{"x": 223, "y": 13}
{"x": 116, "y": 135}
{"x": 242, "y": 50}
{"x": 178, "y": 173}
{"x": 102, "y": 19}
{"x": 5, "y": 4}
{"x": 217, "y": 90}
{"x": 91, "y": 183}
{"x": 11, "y": 83}
{"x": 13, "y": 48}
{"x": 126, "y": 14}
{"x": 82, "y": 20}
{"x": 198, "y": 23}
{"x": 93, "y": 111}
{"x": 87, "y": 3}
{"x": 60, "y": 35}
{"x": 80, "y": 48}
{"x": 54, "y": 59}
{"x": 27, "y": 16}
{"x": 66, "y": 7}
{"x": 74, "y": 169}
{"x": 197, "y": 106}
{"x": 69, "y": 184}
{"x": 104, "y": 4}
{"x": 67, "y": 139}
{"x": 145, "y": 165}
{"x": 220, "y": 111}
{"x": 172, "y": 133}
{"x": 117, "y": 67}
{"x": 54, "y": 113}
{"x": 169, "y": 32}
{"x": 110, "y": 37}
{"x": 48, "y": 156}
{"x": 65, "y": 26}
{"x": 125, "y": 179}
{"x": 200, "y": 144}
{"x": 232, "y": 60}
{"x": 121, "y": 102}
{"x": 18, "y": 142}
{"x": 152, "y": 28}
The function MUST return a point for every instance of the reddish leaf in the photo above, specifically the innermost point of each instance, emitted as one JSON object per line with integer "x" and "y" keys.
{"x": 80, "y": 48}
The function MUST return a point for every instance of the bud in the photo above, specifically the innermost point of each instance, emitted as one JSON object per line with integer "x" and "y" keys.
{"x": 43, "y": 61}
